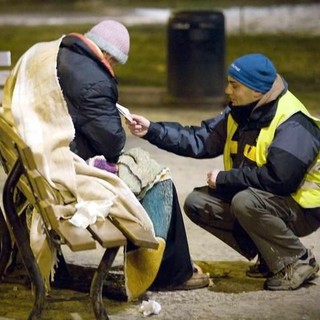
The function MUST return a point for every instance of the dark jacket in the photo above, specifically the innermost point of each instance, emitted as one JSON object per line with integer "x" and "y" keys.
{"x": 295, "y": 146}
{"x": 91, "y": 95}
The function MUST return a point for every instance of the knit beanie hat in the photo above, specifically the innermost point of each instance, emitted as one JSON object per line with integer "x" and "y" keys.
{"x": 113, "y": 37}
{"x": 255, "y": 71}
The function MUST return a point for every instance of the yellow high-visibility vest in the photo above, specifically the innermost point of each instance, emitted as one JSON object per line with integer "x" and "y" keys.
{"x": 308, "y": 193}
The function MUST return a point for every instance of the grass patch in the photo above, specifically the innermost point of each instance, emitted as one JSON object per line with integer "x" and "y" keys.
{"x": 296, "y": 57}
{"x": 230, "y": 276}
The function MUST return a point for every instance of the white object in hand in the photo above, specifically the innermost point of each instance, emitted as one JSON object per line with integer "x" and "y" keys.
{"x": 124, "y": 111}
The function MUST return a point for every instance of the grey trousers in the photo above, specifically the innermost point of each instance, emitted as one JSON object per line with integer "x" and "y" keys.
{"x": 254, "y": 221}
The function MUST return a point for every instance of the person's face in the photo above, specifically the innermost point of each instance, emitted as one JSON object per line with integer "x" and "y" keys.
{"x": 240, "y": 95}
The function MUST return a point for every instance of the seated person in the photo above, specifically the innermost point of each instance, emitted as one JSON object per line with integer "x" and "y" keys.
{"x": 62, "y": 95}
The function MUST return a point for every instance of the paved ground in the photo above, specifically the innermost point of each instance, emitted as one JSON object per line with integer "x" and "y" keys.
{"x": 231, "y": 295}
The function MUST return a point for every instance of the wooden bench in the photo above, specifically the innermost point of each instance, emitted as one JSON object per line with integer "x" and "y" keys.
{"x": 5, "y": 63}
{"x": 24, "y": 179}
{"x": 5, "y": 240}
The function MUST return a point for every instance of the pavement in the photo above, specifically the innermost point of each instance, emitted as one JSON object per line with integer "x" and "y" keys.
{"x": 238, "y": 19}
{"x": 230, "y": 296}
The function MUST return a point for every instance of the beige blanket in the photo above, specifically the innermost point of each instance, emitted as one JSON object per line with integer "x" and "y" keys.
{"x": 34, "y": 104}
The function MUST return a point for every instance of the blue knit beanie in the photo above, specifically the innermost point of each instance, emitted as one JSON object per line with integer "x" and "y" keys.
{"x": 255, "y": 71}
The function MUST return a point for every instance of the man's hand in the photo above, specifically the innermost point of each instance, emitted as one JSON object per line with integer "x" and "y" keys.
{"x": 139, "y": 125}
{"x": 212, "y": 178}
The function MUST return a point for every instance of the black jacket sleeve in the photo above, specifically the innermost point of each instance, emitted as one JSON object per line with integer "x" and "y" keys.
{"x": 99, "y": 121}
{"x": 295, "y": 146}
{"x": 204, "y": 141}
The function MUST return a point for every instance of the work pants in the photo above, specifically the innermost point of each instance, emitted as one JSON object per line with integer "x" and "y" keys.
{"x": 254, "y": 221}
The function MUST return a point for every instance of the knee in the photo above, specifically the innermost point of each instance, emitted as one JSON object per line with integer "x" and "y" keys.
{"x": 242, "y": 204}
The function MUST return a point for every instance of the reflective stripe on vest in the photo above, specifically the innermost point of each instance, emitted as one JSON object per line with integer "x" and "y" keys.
{"x": 308, "y": 194}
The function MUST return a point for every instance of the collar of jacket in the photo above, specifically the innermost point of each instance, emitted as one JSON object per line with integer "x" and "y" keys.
{"x": 95, "y": 49}
{"x": 266, "y": 107}
{"x": 278, "y": 89}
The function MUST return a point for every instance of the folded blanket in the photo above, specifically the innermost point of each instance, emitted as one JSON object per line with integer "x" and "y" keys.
{"x": 136, "y": 168}
{"x": 34, "y": 104}
{"x": 140, "y": 172}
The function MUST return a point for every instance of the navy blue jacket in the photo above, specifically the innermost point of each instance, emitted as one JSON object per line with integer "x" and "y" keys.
{"x": 294, "y": 148}
{"x": 91, "y": 95}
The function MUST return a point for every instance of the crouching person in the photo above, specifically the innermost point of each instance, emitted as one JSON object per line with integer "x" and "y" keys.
{"x": 268, "y": 194}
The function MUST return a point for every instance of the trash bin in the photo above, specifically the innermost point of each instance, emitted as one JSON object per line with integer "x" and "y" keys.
{"x": 196, "y": 55}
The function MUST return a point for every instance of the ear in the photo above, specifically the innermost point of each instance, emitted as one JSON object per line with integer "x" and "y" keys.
{"x": 257, "y": 95}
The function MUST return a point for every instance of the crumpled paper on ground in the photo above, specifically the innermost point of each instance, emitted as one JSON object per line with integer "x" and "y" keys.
{"x": 89, "y": 211}
{"x": 150, "y": 307}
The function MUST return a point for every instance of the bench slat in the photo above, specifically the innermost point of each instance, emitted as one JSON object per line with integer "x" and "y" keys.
{"x": 5, "y": 63}
{"x": 107, "y": 234}
{"x": 78, "y": 239}
{"x": 135, "y": 233}
{"x": 5, "y": 58}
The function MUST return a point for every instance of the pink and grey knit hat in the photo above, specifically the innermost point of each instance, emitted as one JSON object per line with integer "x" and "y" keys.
{"x": 112, "y": 37}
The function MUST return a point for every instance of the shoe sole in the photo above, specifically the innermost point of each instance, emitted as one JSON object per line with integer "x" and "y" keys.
{"x": 256, "y": 275}
{"x": 310, "y": 277}
{"x": 197, "y": 281}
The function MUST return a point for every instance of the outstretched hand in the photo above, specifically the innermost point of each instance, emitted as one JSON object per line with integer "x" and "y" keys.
{"x": 139, "y": 125}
